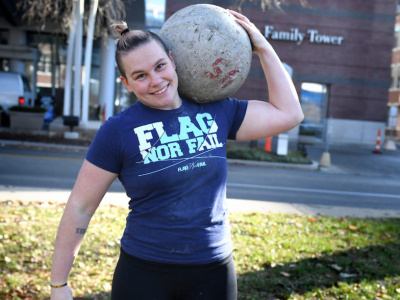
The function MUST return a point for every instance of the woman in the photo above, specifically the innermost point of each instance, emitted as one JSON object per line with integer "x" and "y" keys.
{"x": 169, "y": 154}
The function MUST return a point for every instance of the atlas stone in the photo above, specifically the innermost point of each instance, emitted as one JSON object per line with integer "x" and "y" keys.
{"x": 212, "y": 52}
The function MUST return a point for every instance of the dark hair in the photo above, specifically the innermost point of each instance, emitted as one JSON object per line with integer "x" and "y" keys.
{"x": 132, "y": 39}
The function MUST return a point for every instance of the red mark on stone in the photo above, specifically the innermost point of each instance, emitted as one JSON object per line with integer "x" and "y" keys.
{"x": 217, "y": 70}
{"x": 218, "y": 61}
{"x": 227, "y": 79}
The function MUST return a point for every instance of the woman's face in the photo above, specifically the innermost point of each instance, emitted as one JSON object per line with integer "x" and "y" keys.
{"x": 150, "y": 74}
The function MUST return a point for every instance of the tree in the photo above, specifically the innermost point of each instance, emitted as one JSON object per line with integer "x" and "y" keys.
{"x": 270, "y": 4}
{"x": 75, "y": 17}
{"x": 48, "y": 12}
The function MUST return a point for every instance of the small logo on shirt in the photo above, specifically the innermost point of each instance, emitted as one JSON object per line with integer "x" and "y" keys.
{"x": 191, "y": 166}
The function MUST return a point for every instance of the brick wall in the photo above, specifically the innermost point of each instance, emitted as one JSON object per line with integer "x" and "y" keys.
{"x": 357, "y": 72}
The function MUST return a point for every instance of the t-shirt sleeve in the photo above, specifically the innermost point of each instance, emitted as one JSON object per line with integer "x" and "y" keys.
{"x": 236, "y": 110}
{"x": 104, "y": 151}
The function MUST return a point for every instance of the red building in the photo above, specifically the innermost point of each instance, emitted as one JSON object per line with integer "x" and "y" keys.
{"x": 340, "y": 54}
{"x": 394, "y": 91}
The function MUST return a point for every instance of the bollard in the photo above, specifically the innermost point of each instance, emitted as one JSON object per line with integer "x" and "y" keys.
{"x": 390, "y": 145}
{"x": 325, "y": 160}
{"x": 71, "y": 121}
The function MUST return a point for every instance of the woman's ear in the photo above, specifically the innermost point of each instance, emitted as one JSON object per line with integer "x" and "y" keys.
{"x": 125, "y": 82}
{"x": 172, "y": 59}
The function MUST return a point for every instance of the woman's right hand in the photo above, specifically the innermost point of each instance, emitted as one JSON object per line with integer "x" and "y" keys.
{"x": 258, "y": 41}
{"x": 63, "y": 293}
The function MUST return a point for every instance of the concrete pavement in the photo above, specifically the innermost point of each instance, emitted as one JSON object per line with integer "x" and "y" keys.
{"x": 359, "y": 160}
{"x": 352, "y": 160}
{"x": 27, "y": 194}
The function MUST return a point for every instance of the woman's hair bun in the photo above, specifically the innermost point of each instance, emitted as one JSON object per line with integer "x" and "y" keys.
{"x": 120, "y": 28}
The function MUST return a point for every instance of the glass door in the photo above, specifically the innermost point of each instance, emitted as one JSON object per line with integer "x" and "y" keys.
{"x": 314, "y": 99}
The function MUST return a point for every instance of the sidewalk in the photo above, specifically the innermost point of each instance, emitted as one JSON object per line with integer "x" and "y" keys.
{"x": 26, "y": 194}
{"x": 351, "y": 160}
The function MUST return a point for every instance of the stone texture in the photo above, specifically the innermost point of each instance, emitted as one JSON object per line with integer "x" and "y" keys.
{"x": 211, "y": 50}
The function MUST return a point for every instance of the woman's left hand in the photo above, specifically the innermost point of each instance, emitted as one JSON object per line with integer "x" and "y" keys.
{"x": 258, "y": 41}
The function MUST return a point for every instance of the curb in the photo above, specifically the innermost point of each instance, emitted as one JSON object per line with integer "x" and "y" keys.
{"x": 311, "y": 167}
{"x": 23, "y": 144}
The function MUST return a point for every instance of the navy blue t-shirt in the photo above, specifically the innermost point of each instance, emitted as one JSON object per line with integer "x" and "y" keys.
{"x": 172, "y": 164}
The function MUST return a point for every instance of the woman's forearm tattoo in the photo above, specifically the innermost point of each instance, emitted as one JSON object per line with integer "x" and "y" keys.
{"x": 80, "y": 230}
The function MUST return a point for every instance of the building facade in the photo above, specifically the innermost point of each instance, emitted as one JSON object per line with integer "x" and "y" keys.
{"x": 393, "y": 122}
{"x": 339, "y": 52}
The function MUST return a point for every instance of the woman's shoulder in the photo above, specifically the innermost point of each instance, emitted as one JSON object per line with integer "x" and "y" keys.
{"x": 225, "y": 104}
{"x": 114, "y": 124}
{"x": 213, "y": 103}
{"x": 225, "y": 101}
{"x": 124, "y": 114}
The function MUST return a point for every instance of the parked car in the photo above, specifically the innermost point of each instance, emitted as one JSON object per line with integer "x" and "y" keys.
{"x": 309, "y": 128}
{"x": 14, "y": 90}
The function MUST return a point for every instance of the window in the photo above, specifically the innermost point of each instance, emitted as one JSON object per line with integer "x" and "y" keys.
{"x": 4, "y": 37}
{"x": 45, "y": 63}
{"x": 396, "y": 36}
{"x": 398, "y": 77}
{"x": 25, "y": 82}
{"x": 392, "y": 70}
{"x": 395, "y": 77}
{"x": 314, "y": 98}
{"x": 155, "y": 14}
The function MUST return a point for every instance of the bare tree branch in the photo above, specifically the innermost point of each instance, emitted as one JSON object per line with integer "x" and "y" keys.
{"x": 44, "y": 13}
{"x": 270, "y": 4}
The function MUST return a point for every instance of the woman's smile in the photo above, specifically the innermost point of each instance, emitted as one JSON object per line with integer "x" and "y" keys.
{"x": 161, "y": 91}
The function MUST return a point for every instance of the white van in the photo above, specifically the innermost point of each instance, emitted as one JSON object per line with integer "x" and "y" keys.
{"x": 14, "y": 90}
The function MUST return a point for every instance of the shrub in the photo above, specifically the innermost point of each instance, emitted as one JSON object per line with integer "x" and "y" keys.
{"x": 261, "y": 155}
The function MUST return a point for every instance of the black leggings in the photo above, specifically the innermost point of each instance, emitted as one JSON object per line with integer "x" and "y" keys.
{"x": 137, "y": 279}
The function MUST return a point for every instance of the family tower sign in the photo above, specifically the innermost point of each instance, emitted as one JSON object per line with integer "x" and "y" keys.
{"x": 295, "y": 35}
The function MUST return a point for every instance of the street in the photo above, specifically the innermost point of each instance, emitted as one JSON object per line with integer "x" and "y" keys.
{"x": 58, "y": 170}
{"x": 312, "y": 187}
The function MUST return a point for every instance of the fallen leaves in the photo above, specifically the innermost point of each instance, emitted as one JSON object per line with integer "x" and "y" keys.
{"x": 383, "y": 296}
{"x": 346, "y": 275}
{"x": 27, "y": 234}
{"x": 353, "y": 228}
{"x": 280, "y": 255}
{"x": 285, "y": 274}
{"x": 303, "y": 256}
{"x": 336, "y": 267}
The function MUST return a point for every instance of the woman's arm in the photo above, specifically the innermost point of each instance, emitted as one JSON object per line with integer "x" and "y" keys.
{"x": 283, "y": 112}
{"x": 91, "y": 185}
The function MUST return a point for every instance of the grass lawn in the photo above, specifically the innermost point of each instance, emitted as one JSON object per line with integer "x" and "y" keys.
{"x": 277, "y": 256}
